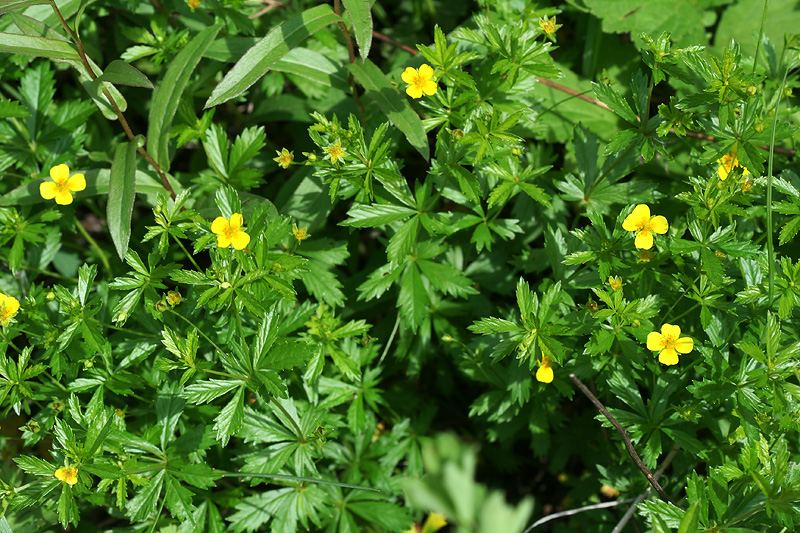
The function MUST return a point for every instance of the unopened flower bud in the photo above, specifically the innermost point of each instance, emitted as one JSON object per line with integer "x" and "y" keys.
{"x": 50, "y": 296}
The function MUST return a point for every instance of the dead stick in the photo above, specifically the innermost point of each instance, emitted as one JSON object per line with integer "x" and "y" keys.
{"x": 631, "y": 451}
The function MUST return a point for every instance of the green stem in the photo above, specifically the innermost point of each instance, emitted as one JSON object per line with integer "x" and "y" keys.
{"x": 187, "y": 254}
{"x": 692, "y": 308}
{"x": 112, "y": 326}
{"x": 770, "y": 245}
{"x": 8, "y": 341}
{"x": 223, "y": 374}
{"x": 298, "y": 431}
{"x": 391, "y": 338}
{"x": 200, "y": 331}
{"x": 55, "y": 381}
{"x": 93, "y": 244}
{"x": 646, "y": 117}
{"x": 760, "y": 34}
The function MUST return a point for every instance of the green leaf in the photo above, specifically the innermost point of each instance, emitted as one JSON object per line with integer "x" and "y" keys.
{"x": 789, "y": 230}
{"x": 178, "y": 499}
{"x": 368, "y": 216}
{"x": 206, "y": 391}
{"x": 67, "y": 508}
{"x": 392, "y": 103}
{"x": 229, "y": 420}
{"x": 609, "y": 96}
{"x": 413, "y": 298}
{"x": 122, "y": 73}
{"x": 29, "y": 45}
{"x": 145, "y": 503}
{"x": 12, "y": 109}
{"x": 121, "y": 195}
{"x": 169, "y": 91}
{"x": 691, "y": 519}
{"x": 261, "y": 57}
{"x": 361, "y": 17}
{"x": 713, "y": 266}
{"x": 387, "y": 515}
{"x": 10, "y": 5}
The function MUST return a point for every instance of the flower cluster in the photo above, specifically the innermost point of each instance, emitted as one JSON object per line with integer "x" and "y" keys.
{"x": 230, "y": 232}
{"x": 644, "y": 225}
{"x": 62, "y": 186}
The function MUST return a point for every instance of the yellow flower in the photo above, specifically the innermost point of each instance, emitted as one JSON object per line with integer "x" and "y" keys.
{"x": 193, "y": 4}
{"x": 67, "y": 474}
{"x": 336, "y": 151}
{"x": 300, "y": 233}
{"x": 419, "y": 81}
{"x": 644, "y": 225}
{"x": 645, "y": 256}
{"x": 62, "y": 186}
{"x": 174, "y": 297}
{"x": 8, "y": 308}
{"x": 545, "y": 373}
{"x": 669, "y": 344}
{"x": 615, "y": 282}
{"x": 434, "y": 522}
{"x": 548, "y": 25}
{"x": 230, "y": 232}
{"x": 285, "y": 158}
{"x": 726, "y": 165}
{"x": 609, "y": 492}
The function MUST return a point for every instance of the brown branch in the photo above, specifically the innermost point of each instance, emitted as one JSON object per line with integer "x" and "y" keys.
{"x": 271, "y": 4}
{"x": 124, "y": 123}
{"x": 391, "y": 41}
{"x": 628, "y": 444}
{"x": 337, "y": 8}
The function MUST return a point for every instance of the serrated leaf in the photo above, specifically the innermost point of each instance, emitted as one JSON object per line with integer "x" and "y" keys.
{"x": 208, "y": 390}
{"x": 392, "y": 103}
{"x": 609, "y": 96}
{"x": 168, "y": 93}
{"x": 413, "y": 298}
{"x": 121, "y": 195}
{"x": 373, "y": 215}
{"x": 229, "y": 420}
{"x": 260, "y": 58}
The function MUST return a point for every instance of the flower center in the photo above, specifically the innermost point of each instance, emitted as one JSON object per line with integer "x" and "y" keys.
{"x": 669, "y": 341}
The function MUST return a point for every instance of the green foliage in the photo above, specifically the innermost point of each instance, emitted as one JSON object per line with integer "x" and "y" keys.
{"x": 210, "y": 338}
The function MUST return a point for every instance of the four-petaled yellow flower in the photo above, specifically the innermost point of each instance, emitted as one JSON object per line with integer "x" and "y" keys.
{"x": 669, "y": 344}
{"x": 300, "y": 233}
{"x": 67, "y": 474}
{"x": 62, "y": 186}
{"x": 615, "y": 282}
{"x": 285, "y": 158}
{"x": 8, "y": 308}
{"x": 434, "y": 522}
{"x": 335, "y": 151}
{"x": 548, "y": 25}
{"x": 419, "y": 81}
{"x": 726, "y": 165}
{"x": 644, "y": 225}
{"x": 230, "y": 232}
{"x": 545, "y": 373}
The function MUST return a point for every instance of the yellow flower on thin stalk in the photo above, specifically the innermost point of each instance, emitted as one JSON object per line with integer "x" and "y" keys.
{"x": 669, "y": 344}
{"x": 335, "y": 151}
{"x": 419, "y": 81}
{"x": 300, "y": 233}
{"x": 67, "y": 474}
{"x": 545, "y": 373}
{"x": 727, "y": 163}
{"x": 285, "y": 158}
{"x": 548, "y": 25}
{"x": 230, "y": 232}
{"x": 644, "y": 225}
{"x": 62, "y": 186}
{"x": 8, "y": 308}
{"x": 615, "y": 282}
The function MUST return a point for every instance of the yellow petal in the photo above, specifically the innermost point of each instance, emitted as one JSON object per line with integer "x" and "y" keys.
{"x": 11, "y": 305}
{"x": 414, "y": 91}
{"x": 48, "y": 190}
{"x": 426, "y": 72}
{"x": 655, "y": 341}
{"x": 76, "y": 183}
{"x": 638, "y": 218}
{"x": 59, "y": 173}
{"x": 430, "y": 87}
{"x": 668, "y": 356}
{"x": 723, "y": 172}
{"x": 684, "y": 345}
{"x": 219, "y": 225}
{"x": 668, "y": 330}
{"x": 644, "y": 240}
{"x": 659, "y": 224}
{"x": 63, "y": 197}
{"x": 409, "y": 75}
{"x": 223, "y": 240}
{"x": 544, "y": 374}
{"x": 240, "y": 240}
{"x": 236, "y": 221}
